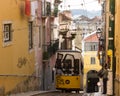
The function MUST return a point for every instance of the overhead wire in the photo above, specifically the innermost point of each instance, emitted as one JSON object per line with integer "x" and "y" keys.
{"x": 85, "y": 9}
{"x": 79, "y": 4}
{"x": 82, "y": 4}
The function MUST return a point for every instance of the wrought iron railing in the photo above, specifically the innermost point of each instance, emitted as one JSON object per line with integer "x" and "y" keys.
{"x": 50, "y": 49}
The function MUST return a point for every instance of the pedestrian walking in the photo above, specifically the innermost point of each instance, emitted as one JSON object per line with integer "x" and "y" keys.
{"x": 105, "y": 79}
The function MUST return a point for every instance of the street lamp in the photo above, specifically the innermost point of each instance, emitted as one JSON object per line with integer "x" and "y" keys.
{"x": 99, "y": 33}
{"x": 100, "y": 45}
{"x": 100, "y": 38}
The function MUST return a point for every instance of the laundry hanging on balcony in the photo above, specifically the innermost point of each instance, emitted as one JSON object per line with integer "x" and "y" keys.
{"x": 27, "y": 7}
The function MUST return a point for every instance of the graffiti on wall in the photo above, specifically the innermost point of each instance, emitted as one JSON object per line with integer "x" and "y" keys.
{"x": 22, "y": 61}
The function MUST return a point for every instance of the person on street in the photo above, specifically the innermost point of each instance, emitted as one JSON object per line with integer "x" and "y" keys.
{"x": 105, "y": 79}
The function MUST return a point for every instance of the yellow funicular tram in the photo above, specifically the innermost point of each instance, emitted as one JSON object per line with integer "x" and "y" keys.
{"x": 69, "y": 70}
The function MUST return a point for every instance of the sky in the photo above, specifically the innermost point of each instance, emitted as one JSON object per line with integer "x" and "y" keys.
{"x": 80, "y": 4}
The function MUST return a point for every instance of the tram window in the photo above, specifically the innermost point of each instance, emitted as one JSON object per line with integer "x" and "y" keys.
{"x": 76, "y": 63}
{"x": 59, "y": 56}
{"x": 76, "y": 66}
{"x": 58, "y": 61}
{"x": 58, "y": 64}
{"x": 67, "y": 64}
{"x": 82, "y": 67}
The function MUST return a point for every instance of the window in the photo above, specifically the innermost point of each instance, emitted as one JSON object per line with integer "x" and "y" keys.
{"x": 40, "y": 41}
{"x": 91, "y": 46}
{"x": 92, "y": 60}
{"x": 43, "y": 7}
{"x": 48, "y": 8}
{"x": 30, "y": 35}
{"x": 76, "y": 66}
{"x": 7, "y": 32}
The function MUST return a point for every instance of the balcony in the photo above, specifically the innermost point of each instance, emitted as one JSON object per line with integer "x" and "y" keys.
{"x": 58, "y": 1}
{"x": 46, "y": 9}
{"x": 50, "y": 49}
{"x": 63, "y": 28}
{"x": 55, "y": 13}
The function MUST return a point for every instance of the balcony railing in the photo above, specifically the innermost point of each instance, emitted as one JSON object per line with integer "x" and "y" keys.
{"x": 50, "y": 49}
{"x": 46, "y": 8}
{"x": 55, "y": 13}
{"x": 58, "y": 1}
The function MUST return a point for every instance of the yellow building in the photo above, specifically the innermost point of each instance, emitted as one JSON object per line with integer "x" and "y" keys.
{"x": 17, "y": 56}
{"x": 111, "y": 17}
{"x": 91, "y": 61}
{"x": 117, "y": 47}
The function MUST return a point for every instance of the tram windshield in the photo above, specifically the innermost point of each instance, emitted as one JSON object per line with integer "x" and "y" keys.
{"x": 67, "y": 64}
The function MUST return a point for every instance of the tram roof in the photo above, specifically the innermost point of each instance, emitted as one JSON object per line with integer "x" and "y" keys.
{"x": 69, "y": 51}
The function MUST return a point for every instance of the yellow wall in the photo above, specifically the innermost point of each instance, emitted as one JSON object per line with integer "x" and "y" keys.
{"x": 117, "y": 46}
{"x": 117, "y": 35}
{"x": 87, "y": 63}
{"x": 17, "y": 50}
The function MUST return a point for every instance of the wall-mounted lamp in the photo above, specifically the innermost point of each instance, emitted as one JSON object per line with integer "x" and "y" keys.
{"x": 99, "y": 33}
{"x": 100, "y": 37}
{"x": 100, "y": 46}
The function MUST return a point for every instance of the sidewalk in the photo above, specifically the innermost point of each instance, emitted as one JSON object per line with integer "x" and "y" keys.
{"x": 31, "y": 93}
{"x": 94, "y": 94}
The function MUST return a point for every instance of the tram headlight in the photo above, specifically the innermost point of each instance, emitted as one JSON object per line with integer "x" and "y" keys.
{"x": 67, "y": 81}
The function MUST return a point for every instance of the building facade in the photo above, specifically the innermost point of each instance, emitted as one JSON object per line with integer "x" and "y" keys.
{"x": 90, "y": 52}
{"x": 112, "y": 44}
{"x": 17, "y": 71}
{"x": 49, "y": 42}
{"x": 117, "y": 49}
{"x": 27, "y": 46}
